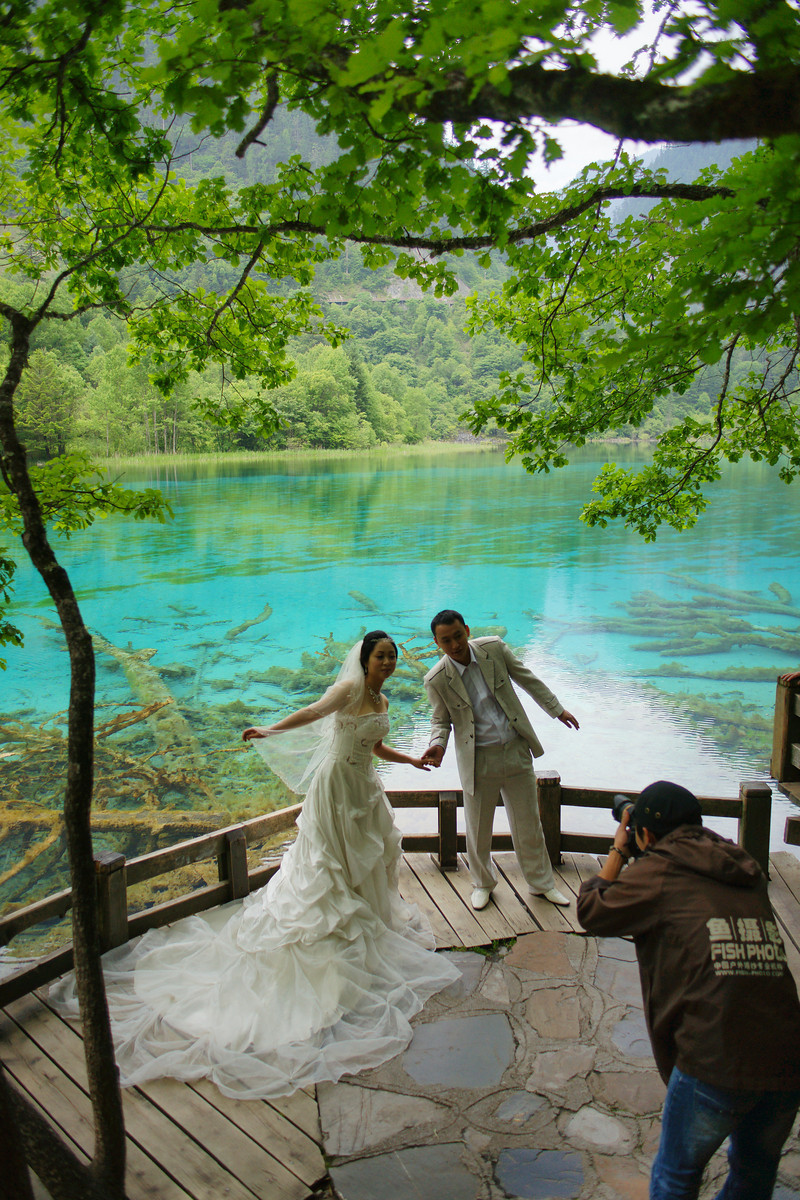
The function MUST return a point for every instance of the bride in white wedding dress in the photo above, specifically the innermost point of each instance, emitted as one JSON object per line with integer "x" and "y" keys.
{"x": 317, "y": 974}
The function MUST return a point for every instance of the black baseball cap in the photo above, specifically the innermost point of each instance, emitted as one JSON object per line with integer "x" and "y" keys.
{"x": 663, "y": 806}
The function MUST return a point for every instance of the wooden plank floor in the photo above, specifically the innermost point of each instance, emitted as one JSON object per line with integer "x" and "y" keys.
{"x": 784, "y": 892}
{"x": 189, "y": 1142}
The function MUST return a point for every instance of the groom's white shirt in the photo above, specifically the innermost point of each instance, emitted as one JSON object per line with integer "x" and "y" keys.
{"x": 492, "y": 727}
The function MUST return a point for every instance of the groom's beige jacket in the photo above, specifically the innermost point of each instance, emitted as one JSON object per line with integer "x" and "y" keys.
{"x": 452, "y": 707}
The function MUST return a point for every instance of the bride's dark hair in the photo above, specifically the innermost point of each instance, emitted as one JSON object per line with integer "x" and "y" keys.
{"x": 368, "y": 644}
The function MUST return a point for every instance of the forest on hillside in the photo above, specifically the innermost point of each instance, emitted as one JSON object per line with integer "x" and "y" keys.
{"x": 404, "y": 372}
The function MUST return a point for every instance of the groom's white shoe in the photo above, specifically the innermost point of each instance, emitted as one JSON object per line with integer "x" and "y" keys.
{"x": 480, "y": 897}
{"x": 554, "y": 896}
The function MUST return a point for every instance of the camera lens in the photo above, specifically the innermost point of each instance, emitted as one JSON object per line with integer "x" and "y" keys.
{"x": 619, "y": 806}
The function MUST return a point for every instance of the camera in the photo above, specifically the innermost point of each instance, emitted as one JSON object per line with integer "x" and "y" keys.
{"x": 620, "y": 807}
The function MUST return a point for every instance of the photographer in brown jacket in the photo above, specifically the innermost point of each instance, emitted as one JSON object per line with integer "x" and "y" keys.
{"x": 720, "y": 1003}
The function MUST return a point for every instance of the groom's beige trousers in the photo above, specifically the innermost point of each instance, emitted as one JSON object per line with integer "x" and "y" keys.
{"x": 506, "y": 771}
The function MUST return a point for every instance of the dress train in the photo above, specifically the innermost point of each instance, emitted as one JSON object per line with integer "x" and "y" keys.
{"x": 316, "y": 975}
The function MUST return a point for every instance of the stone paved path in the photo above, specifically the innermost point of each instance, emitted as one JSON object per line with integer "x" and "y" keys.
{"x": 531, "y": 1077}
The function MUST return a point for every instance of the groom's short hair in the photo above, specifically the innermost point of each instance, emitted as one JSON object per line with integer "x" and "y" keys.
{"x": 448, "y": 616}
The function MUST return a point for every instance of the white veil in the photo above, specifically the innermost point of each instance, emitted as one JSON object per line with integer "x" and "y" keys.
{"x": 294, "y": 754}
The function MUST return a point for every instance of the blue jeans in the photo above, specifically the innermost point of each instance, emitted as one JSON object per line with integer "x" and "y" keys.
{"x": 696, "y": 1120}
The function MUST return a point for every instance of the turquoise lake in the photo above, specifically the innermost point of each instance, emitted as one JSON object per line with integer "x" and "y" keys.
{"x": 338, "y": 545}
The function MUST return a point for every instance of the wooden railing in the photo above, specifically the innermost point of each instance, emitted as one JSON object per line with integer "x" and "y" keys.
{"x": 115, "y": 874}
{"x": 785, "y": 762}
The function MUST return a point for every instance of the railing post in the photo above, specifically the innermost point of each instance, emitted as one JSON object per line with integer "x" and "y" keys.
{"x": 754, "y": 824}
{"x": 448, "y": 837}
{"x": 548, "y": 787}
{"x": 232, "y": 865}
{"x": 785, "y": 731}
{"x": 112, "y": 898}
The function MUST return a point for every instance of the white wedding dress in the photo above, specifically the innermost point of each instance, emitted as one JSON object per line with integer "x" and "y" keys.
{"x": 314, "y": 976}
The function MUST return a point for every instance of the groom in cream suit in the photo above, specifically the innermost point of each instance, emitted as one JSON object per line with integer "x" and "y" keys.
{"x": 470, "y": 692}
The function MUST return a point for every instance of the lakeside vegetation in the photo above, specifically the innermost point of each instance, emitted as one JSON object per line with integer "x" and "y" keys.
{"x": 407, "y": 374}
{"x": 296, "y": 454}
{"x": 409, "y": 368}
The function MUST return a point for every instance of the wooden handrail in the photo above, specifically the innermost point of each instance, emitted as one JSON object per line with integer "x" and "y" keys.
{"x": 115, "y": 874}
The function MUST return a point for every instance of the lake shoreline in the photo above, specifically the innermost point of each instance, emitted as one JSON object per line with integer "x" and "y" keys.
{"x": 237, "y": 457}
{"x": 398, "y": 450}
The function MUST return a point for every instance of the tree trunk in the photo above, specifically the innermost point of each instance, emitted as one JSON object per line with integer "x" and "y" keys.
{"x": 108, "y": 1165}
{"x": 16, "y": 1179}
{"x": 64, "y": 1175}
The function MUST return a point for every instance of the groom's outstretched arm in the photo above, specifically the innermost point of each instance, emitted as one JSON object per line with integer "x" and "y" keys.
{"x": 537, "y": 690}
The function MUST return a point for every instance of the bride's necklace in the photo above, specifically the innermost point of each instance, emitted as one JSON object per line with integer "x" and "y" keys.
{"x": 376, "y": 698}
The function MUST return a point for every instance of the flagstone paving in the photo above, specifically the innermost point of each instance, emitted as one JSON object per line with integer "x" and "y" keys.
{"x": 531, "y": 1077}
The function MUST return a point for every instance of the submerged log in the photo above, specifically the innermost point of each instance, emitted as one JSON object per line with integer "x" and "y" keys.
{"x": 723, "y": 645}
{"x": 124, "y": 720}
{"x": 162, "y": 826}
{"x": 676, "y": 670}
{"x": 420, "y": 659}
{"x": 364, "y": 601}
{"x": 264, "y": 615}
{"x": 747, "y": 601}
{"x": 781, "y": 592}
{"x": 172, "y": 732}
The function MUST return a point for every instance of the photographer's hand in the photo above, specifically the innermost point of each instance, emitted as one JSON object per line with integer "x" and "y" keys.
{"x": 618, "y": 855}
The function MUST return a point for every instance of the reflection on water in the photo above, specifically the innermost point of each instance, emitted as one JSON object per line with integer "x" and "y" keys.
{"x": 666, "y": 653}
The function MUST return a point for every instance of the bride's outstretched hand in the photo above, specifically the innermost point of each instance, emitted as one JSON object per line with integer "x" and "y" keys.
{"x": 420, "y": 764}
{"x": 256, "y": 731}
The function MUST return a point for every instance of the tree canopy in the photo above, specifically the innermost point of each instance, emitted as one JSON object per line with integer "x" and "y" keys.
{"x": 440, "y": 116}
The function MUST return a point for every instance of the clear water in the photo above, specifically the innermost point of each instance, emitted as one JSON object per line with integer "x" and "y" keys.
{"x": 411, "y": 535}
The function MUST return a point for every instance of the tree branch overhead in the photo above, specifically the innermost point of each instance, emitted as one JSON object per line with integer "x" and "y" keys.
{"x": 761, "y": 104}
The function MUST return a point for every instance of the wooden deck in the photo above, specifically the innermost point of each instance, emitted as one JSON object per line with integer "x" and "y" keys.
{"x": 189, "y": 1141}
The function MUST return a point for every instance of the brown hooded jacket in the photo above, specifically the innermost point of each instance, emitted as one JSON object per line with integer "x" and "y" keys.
{"x": 719, "y": 1000}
